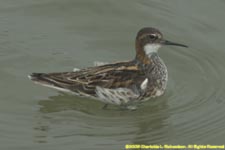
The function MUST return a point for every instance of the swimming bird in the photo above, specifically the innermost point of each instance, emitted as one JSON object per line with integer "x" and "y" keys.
{"x": 121, "y": 83}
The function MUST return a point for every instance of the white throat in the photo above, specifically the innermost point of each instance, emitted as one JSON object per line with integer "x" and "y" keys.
{"x": 151, "y": 48}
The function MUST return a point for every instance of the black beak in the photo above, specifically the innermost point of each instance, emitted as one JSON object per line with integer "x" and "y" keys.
{"x": 165, "y": 42}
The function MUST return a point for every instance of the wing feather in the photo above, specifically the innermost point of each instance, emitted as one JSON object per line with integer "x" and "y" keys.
{"x": 110, "y": 76}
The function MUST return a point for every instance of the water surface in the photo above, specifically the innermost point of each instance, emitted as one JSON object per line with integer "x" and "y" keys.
{"x": 55, "y": 35}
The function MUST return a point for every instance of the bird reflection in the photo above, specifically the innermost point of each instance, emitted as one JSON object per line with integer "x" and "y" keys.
{"x": 144, "y": 126}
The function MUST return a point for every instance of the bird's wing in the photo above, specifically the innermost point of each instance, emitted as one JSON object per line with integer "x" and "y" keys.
{"x": 85, "y": 81}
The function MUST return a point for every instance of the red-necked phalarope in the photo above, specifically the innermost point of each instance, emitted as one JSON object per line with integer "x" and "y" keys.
{"x": 121, "y": 83}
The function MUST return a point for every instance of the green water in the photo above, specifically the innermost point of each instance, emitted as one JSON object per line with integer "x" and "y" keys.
{"x": 56, "y": 35}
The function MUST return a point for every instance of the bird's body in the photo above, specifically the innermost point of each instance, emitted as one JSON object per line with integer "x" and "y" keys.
{"x": 121, "y": 83}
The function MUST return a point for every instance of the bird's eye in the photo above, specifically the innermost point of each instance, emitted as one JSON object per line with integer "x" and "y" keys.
{"x": 152, "y": 36}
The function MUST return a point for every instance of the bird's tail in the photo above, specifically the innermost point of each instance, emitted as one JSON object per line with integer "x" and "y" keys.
{"x": 37, "y": 77}
{"x": 43, "y": 79}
